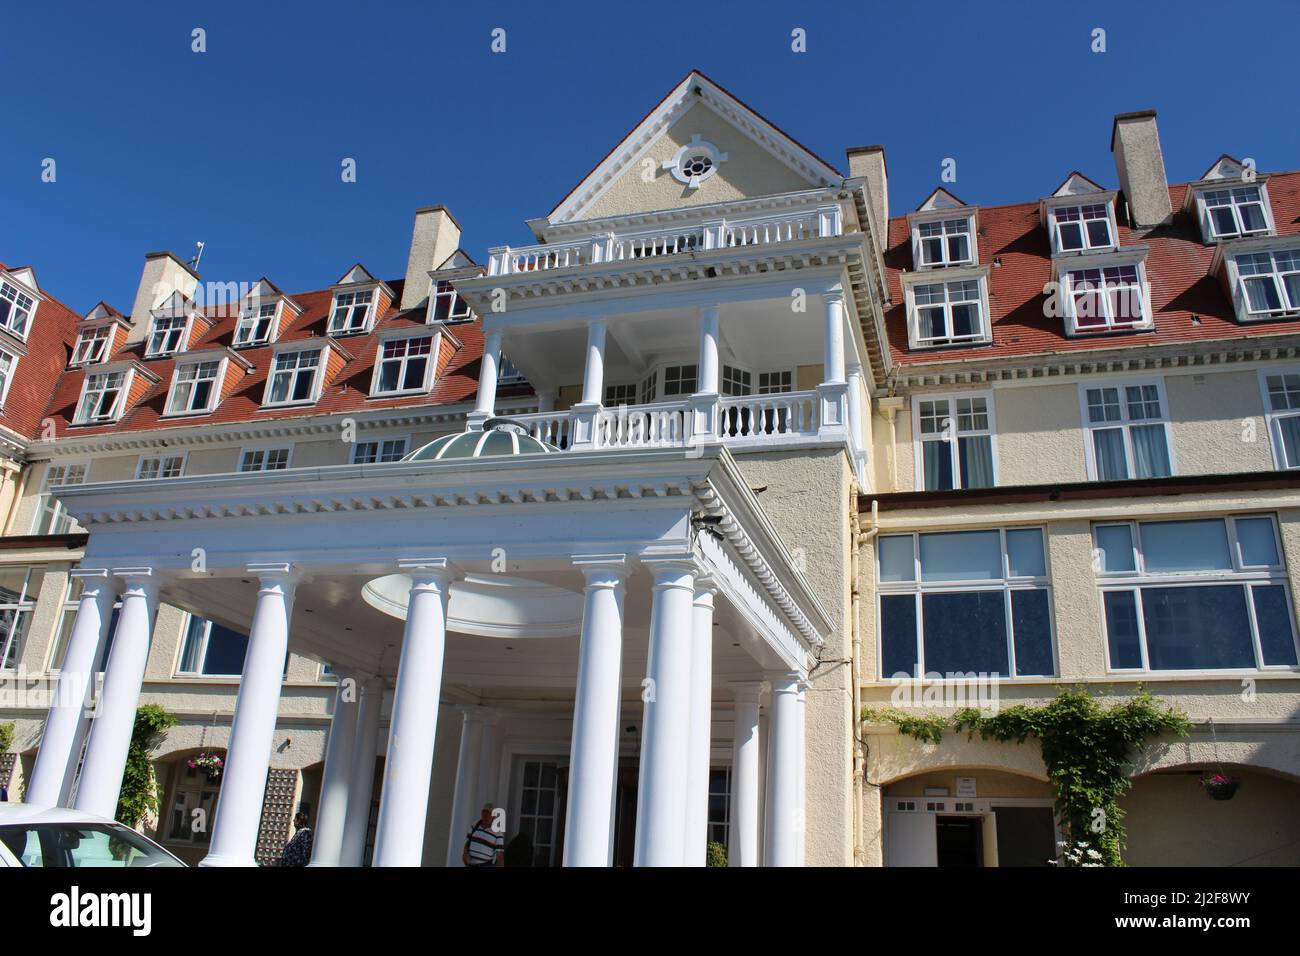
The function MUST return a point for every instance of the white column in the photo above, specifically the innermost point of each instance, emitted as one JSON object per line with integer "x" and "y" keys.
{"x": 487, "y": 377}
{"x": 661, "y": 793}
{"x": 593, "y": 749}
{"x": 708, "y": 376}
{"x": 745, "y": 757}
{"x": 114, "y": 721}
{"x": 252, "y": 733}
{"x": 546, "y": 399}
{"x": 327, "y": 843}
{"x": 857, "y": 429}
{"x": 465, "y": 807}
{"x": 834, "y": 361}
{"x": 489, "y": 761}
{"x": 593, "y": 378}
{"x": 701, "y": 736}
{"x": 785, "y": 803}
{"x": 56, "y": 761}
{"x": 399, "y": 836}
{"x": 362, "y": 788}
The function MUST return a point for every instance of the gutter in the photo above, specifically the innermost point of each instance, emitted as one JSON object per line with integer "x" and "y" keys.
{"x": 859, "y": 538}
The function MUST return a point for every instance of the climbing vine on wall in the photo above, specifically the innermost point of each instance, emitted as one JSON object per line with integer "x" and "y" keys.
{"x": 139, "y": 797}
{"x": 1087, "y": 749}
{"x": 6, "y": 737}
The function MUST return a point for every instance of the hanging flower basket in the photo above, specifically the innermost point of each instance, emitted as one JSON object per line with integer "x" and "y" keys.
{"x": 1220, "y": 786}
{"x": 208, "y": 764}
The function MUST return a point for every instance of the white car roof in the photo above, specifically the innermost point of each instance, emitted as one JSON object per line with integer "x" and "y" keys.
{"x": 20, "y": 813}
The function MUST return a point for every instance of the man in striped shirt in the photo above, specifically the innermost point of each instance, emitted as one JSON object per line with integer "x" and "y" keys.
{"x": 485, "y": 844}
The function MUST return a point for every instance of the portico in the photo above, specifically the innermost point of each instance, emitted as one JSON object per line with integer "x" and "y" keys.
{"x": 610, "y": 611}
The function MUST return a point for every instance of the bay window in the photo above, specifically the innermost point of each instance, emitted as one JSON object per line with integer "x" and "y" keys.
{"x": 351, "y": 312}
{"x": 943, "y": 242}
{"x": 255, "y": 324}
{"x": 102, "y": 396}
{"x": 958, "y": 603}
{"x": 404, "y": 365}
{"x": 1282, "y": 405}
{"x": 1269, "y": 282}
{"x": 736, "y": 381}
{"x": 1198, "y": 594}
{"x": 955, "y": 442}
{"x": 51, "y": 516}
{"x": 775, "y": 383}
{"x": 92, "y": 346}
{"x": 194, "y": 388}
{"x": 1127, "y": 431}
{"x": 1082, "y": 228}
{"x": 1236, "y": 211}
{"x": 947, "y": 313}
{"x": 15, "y": 309}
{"x": 679, "y": 380}
{"x": 1105, "y": 299}
{"x": 293, "y": 377}
{"x": 616, "y": 395}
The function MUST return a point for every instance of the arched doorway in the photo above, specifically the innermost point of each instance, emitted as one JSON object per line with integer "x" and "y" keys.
{"x": 188, "y": 807}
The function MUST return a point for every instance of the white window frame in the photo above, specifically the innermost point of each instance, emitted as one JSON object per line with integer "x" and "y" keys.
{"x": 1066, "y": 288}
{"x": 8, "y": 370}
{"x": 613, "y": 390}
{"x": 214, "y": 395}
{"x": 918, "y": 440}
{"x": 781, "y": 387}
{"x": 1208, "y": 232}
{"x": 740, "y": 377}
{"x": 1125, "y": 423}
{"x": 102, "y": 336}
{"x": 1273, "y": 417}
{"x": 1240, "y": 574}
{"x": 947, "y": 278}
{"x": 153, "y": 349}
{"x": 49, "y": 504}
{"x": 1237, "y": 282}
{"x": 379, "y": 442}
{"x": 21, "y": 302}
{"x": 431, "y": 359}
{"x": 115, "y": 413}
{"x": 348, "y": 327}
{"x": 166, "y": 462}
{"x": 1006, "y": 583}
{"x": 249, "y": 319}
{"x": 322, "y": 360}
{"x": 449, "y": 295}
{"x": 22, "y": 609}
{"x": 265, "y": 451}
{"x": 1082, "y": 203}
{"x": 943, "y": 221}
{"x": 202, "y": 653}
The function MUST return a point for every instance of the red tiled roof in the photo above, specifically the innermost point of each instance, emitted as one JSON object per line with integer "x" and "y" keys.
{"x": 50, "y": 338}
{"x": 1178, "y": 269}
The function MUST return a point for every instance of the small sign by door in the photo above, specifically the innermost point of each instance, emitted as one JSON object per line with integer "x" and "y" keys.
{"x": 966, "y": 787}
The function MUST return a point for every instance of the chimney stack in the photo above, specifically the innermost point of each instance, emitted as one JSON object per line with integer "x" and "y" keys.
{"x": 435, "y": 237}
{"x": 164, "y": 273}
{"x": 869, "y": 163}
{"x": 1135, "y": 141}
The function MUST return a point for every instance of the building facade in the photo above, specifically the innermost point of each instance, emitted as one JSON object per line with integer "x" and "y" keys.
{"x": 620, "y": 530}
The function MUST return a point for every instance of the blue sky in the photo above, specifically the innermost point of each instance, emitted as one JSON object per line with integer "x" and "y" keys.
{"x": 157, "y": 146}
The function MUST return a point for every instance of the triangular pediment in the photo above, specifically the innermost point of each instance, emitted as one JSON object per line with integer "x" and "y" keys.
{"x": 24, "y": 276}
{"x": 178, "y": 303}
{"x": 264, "y": 288}
{"x": 699, "y": 145}
{"x": 1077, "y": 184}
{"x": 459, "y": 259}
{"x": 1226, "y": 167}
{"x": 101, "y": 311}
{"x": 357, "y": 275}
{"x": 940, "y": 199}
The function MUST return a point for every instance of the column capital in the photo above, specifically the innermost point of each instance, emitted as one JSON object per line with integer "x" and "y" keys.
{"x": 603, "y": 565}
{"x": 427, "y": 571}
{"x": 833, "y": 295}
{"x": 273, "y": 572}
{"x": 786, "y": 682}
{"x": 705, "y": 588}
{"x": 669, "y": 567}
{"x": 142, "y": 580}
{"x": 90, "y": 574}
{"x": 598, "y": 321}
{"x": 747, "y": 691}
{"x": 711, "y": 310}
{"x": 479, "y": 714}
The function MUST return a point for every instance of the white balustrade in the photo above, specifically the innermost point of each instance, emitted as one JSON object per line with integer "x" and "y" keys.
{"x": 643, "y": 426}
{"x": 775, "y": 417}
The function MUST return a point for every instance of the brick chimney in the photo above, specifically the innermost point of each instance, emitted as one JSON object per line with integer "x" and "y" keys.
{"x": 435, "y": 237}
{"x": 869, "y": 163}
{"x": 1135, "y": 141}
{"x": 164, "y": 273}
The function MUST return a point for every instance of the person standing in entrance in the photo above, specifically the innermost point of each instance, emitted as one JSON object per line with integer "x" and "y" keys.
{"x": 485, "y": 843}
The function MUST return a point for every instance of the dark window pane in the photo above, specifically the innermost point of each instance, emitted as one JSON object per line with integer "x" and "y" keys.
{"x": 1122, "y": 629}
{"x": 1197, "y": 627}
{"x": 1031, "y": 623}
{"x": 965, "y": 632}
{"x": 226, "y": 650}
{"x": 897, "y": 635}
{"x": 1276, "y": 639}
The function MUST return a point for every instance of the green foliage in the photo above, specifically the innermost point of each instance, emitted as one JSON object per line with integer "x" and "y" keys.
{"x": 716, "y": 855}
{"x": 1087, "y": 750}
{"x": 140, "y": 796}
{"x": 6, "y": 737}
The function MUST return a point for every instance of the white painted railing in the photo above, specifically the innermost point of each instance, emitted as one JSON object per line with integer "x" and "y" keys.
{"x": 768, "y": 417}
{"x": 715, "y": 234}
{"x": 661, "y": 425}
{"x": 553, "y": 428}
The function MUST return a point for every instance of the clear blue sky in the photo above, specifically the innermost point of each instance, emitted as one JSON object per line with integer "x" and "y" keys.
{"x": 157, "y": 146}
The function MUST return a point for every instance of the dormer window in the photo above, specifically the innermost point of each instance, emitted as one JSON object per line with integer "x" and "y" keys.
{"x": 15, "y": 309}
{"x": 448, "y": 306}
{"x": 294, "y": 377}
{"x": 351, "y": 313}
{"x": 1107, "y": 299}
{"x": 944, "y": 242}
{"x": 194, "y": 388}
{"x": 947, "y": 313}
{"x": 102, "y": 396}
{"x": 92, "y": 346}
{"x": 167, "y": 336}
{"x": 405, "y": 366}
{"x": 255, "y": 324}
{"x": 1270, "y": 282}
{"x": 1082, "y": 228}
{"x": 1236, "y": 211}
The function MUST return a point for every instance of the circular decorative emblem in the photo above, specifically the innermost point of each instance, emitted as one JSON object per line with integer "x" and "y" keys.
{"x": 500, "y": 424}
{"x": 695, "y": 162}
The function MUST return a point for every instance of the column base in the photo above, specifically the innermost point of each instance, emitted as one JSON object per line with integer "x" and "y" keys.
{"x": 475, "y": 421}
{"x": 219, "y": 859}
{"x": 833, "y": 411}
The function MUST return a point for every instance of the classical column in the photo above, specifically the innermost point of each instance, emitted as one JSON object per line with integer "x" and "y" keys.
{"x": 362, "y": 787}
{"x": 327, "y": 843}
{"x": 834, "y": 360}
{"x": 593, "y": 378}
{"x": 701, "y": 737}
{"x": 485, "y": 406}
{"x": 114, "y": 721}
{"x": 833, "y": 391}
{"x": 745, "y": 757}
{"x": 56, "y": 761}
{"x": 704, "y": 403}
{"x": 593, "y": 749}
{"x": 489, "y": 761}
{"x": 465, "y": 807}
{"x": 399, "y": 836}
{"x": 857, "y": 424}
{"x": 785, "y": 802}
{"x": 661, "y": 794}
{"x": 252, "y": 733}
